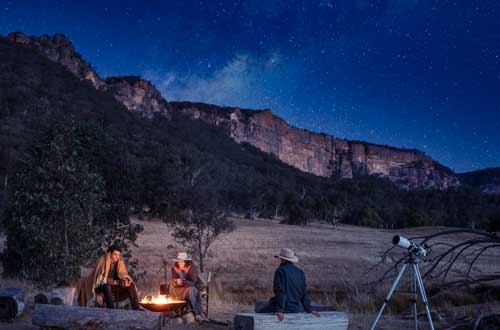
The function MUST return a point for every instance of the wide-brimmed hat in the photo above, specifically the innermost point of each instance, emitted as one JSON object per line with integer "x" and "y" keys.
{"x": 288, "y": 255}
{"x": 182, "y": 256}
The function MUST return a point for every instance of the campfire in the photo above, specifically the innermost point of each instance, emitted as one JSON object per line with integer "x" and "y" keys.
{"x": 162, "y": 303}
{"x": 158, "y": 299}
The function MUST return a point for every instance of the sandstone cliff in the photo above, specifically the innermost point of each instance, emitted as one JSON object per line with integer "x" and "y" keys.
{"x": 58, "y": 48}
{"x": 137, "y": 95}
{"x": 320, "y": 154}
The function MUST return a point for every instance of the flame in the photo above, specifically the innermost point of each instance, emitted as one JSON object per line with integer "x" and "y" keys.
{"x": 158, "y": 299}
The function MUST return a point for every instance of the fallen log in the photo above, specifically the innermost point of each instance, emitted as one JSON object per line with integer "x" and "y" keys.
{"x": 11, "y": 303}
{"x": 75, "y": 317}
{"x": 260, "y": 304}
{"x": 292, "y": 321}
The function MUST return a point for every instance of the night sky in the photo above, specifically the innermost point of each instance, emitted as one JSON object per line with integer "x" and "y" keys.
{"x": 408, "y": 73}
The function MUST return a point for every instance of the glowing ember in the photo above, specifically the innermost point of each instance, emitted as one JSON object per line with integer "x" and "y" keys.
{"x": 158, "y": 299}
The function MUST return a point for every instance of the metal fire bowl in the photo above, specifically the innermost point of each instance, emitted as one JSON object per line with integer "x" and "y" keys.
{"x": 170, "y": 307}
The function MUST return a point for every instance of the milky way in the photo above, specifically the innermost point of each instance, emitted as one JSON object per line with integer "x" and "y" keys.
{"x": 408, "y": 73}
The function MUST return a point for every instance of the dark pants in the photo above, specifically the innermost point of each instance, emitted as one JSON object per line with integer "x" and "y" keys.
{"x": 270, "y": 307}
{"x": 191, "y": 294}
{"x": 121, "y": 292}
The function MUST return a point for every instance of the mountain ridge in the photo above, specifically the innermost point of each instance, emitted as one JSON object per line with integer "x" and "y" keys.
{"x": 148, "y": 164}
{"x": 487, "y": 180}
{"x": 317, "y": 153}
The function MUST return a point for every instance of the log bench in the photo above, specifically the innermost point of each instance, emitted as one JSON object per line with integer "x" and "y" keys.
{"x": 262, "y": 303}
{"x": 75, "y": 317}
{"x": 292, "y": 321}
{"x": 11, "y": 303}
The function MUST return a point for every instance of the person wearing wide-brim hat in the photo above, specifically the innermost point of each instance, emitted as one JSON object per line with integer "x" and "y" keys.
{"x": 185, "y": 283}
{"x": 289, "y": 287}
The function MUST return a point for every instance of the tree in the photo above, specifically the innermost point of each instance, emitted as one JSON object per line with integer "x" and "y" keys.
{"x": 199, "y": 229}
{"x": 59, "y": 218}
{"x": 296, "y": 214}
{"x": 333, "y": 208}
{"x": 334, "y": 214}
{"x": 195, "y": 214}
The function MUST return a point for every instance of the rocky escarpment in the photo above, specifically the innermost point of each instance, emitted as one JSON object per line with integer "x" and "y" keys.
{"x": 136, "y": 94}
{"x": 59, "y": 49}
{"x": 320, "y": 154}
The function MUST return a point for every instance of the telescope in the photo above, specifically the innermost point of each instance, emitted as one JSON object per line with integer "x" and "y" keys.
{"x": 413, "y": 261}
{"x": 413, "y": 247}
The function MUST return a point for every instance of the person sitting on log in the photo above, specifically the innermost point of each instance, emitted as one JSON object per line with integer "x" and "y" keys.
{"x": 108, "y": 277}
{"x": 185, "y": 283}
{"x": 289, "y": 287}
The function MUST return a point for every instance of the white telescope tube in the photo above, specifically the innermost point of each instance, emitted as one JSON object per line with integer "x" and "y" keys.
{"x": 409, "y": 245}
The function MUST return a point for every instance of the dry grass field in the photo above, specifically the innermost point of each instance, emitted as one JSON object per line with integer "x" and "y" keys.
{"x": 337, "y": 262}
{"x": 333, "y": 259}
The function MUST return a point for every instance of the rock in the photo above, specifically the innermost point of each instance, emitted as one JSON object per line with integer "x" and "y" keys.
{"x": 56, "y": 301}
{"x": 188, "y": 318}
{"x": 60, "y": 49}
{"x": 137, "y": 95}
{"x": 41, "y": 299}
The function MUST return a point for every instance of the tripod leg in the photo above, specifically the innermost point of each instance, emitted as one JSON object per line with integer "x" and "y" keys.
{"x": 389, "y": 295}
{"x": 413, "y": 279}
{"x": 424, "y": 295}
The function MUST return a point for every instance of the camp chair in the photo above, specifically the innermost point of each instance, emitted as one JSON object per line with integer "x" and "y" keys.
{"x": 121, "y": 301}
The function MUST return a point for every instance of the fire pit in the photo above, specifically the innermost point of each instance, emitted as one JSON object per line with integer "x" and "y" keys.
{"x": 168, "y": 307}
{"x": 163, "y": 304}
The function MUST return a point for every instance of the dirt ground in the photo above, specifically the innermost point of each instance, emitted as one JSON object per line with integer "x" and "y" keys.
{"x": 225, "y": 314}
{"x": 242, "y": 265}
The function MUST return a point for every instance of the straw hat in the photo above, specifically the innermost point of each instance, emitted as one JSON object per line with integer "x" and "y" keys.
{"x": 182, "y": 256}
{"x": 288, "y": 255}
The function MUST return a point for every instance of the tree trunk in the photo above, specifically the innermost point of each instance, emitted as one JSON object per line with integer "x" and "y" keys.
{"x": 73, "y": 317}
{"x": 201, "y": 264}
{"x": 66, "y": 249}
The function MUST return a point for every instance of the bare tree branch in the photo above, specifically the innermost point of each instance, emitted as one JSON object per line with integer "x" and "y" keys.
{"x": 467, "y": 251}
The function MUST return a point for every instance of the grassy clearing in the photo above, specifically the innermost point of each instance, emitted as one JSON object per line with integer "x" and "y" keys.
{"x": 336, "y": 262}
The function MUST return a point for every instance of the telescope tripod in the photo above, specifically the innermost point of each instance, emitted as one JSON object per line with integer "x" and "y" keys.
{"x": 416, "y": 280}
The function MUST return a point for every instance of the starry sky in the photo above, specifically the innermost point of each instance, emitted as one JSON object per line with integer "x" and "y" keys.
{"x": 410, "y": 73}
